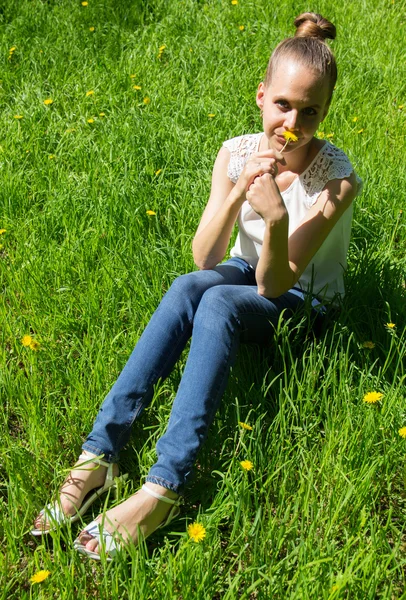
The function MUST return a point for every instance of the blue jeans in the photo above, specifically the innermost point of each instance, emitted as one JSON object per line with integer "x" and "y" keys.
{"x": 221, "y": 308}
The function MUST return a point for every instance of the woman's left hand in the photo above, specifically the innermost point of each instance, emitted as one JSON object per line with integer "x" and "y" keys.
{"x": 264, "y": 197}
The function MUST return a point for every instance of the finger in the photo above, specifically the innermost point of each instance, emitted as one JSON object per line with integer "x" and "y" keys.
{"x": 269, "y": 153}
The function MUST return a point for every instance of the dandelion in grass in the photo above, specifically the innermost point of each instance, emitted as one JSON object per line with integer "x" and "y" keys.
{"x": 102, "y": 114}
{"x": 320, "y": 134}
{"x": 234, "y": 2}
{"x": 91, "y": 29}
{"x": 85, "y": 3}
{"x": 390, "y": 325}
{"x": 51, "y": 156}
{"x": 158, "y": 172}
{"x": 48, "y": 101}
{"x": 90, "y": 121}
{"x": 247, "y": 465}
{"x": 151, "y": 213}
{"x": 372, "y": 397}
{"x": 330, "y": 135}
{"x": 26, "y": 340}
{"x": 34, "y": 345}
{"x": 2, "y": 231}
{"x": 241, "y": 27}
{"x": 211, "y": 115}
{"x": 196, "y": 532}
{"x": 136, "y": 87}
{"x": 90, "y": 93}
{"x": 245, "y": 426}
{"x": 368, "y": 345}
{"x": 402, "y": 432}
{"x": 146, "y": 100}
{"x": 290, "y": 137}
{"x": 18, "y": 116}
{"x": 355, "y": 119}
{"x": 401, "y": 106}
{"x": 360, "y": 131}
{"x": 12, "y": 49}
{"x": 40, "y": 576}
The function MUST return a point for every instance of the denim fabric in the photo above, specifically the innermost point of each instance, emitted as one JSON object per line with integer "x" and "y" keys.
{"x": 221, "y": 308}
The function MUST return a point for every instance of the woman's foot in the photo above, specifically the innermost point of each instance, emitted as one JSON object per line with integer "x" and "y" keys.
{"x": 84, "y": 477}
{"x": 139, "y": 516}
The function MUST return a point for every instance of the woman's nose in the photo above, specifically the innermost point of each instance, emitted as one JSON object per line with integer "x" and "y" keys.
{"x": 292, "y": 120}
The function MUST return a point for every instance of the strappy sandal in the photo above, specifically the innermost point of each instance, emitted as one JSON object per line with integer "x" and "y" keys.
{"x": 110, "y": 543}
{"x": 53, "y": 513}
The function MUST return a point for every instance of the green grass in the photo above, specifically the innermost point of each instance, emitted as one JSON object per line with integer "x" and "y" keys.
{"x": 82, "y": 268}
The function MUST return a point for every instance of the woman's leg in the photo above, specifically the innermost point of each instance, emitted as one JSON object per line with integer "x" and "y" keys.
{"x": 155, "y": 355}
{"x": 226, "y": 315}
{"x": 153, "y": 358}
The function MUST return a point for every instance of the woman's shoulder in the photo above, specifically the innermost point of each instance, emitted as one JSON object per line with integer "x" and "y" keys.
{"x": 329, "y": 163}
{"x": 243, "y": 144}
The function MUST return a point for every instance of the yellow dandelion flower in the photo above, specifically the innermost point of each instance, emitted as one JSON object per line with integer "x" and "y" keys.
{"x": 146, "y": 100}
{"x": 2, "y": 231}
{"x": 196, "y": 532}
{"x": 91, "y": 29}
{"x": 18, "y": 116}
{"x": 1, "y": 246}
{"x": 85, "y": 3}
{"x": 90, "y": 120}
{"x": 102, "y": 114}
{"x": 401, "y": 106}
{"x": 330, "y": 135}
{"x": 390, "y": 325}
{"x": 369, "y": 345}
{"x": 211, "y": 115}
{"x": 133, "y": 76}
{"x": 241, "y": 27}
{"x": 34, "y": 345}
{"x": 372, "y": 397}
{"x": 12, "y": 49}
{"x": 158, "y": 172}
{"x": 40, "y": 576}
{"x": 247, "y": 465}
{"x": 162, "y": 48}
{"x": 355, "y": 119}
{"x": 48, "y": 101}
{"x": 320, "y": 134}
{"x": 245, "y": 425}
{"x": 151, "y": 213}
{"x": 234, "y": 2}
{"x": 51, "y": 156}
{"x": 402, "y": 432}
{"x": 360, "y": 130}
{"x": 290, "y": 136}
{"x": 90, "y": 93}
{"x": 334, "y": 589}
{"x": 136, "y": 87}
{"x": 26, "y": 340}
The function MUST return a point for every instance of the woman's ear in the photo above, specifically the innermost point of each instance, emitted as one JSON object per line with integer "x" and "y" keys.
{"x": 260, "y": 95}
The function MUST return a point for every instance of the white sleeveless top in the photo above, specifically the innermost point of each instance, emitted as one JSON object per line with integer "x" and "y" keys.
{"x": 324, "y": 274}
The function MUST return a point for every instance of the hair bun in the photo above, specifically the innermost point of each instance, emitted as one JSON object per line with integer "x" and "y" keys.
{"x": 314, "y": 25}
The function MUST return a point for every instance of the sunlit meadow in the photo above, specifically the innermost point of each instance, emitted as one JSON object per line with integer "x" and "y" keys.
{"x": 112, "y": 113}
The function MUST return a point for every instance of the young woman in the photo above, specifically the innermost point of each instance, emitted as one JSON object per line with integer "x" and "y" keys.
{"x": 291, "y": 195}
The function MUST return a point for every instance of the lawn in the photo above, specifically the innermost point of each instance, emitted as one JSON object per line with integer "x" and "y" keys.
{"x": 112, "y": 114}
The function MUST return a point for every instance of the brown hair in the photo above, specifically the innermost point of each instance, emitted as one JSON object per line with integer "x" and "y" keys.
{"x": 308, "y": 47}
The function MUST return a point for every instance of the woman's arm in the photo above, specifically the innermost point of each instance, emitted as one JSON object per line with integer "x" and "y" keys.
{"x": 284, "y": 258}
{"x": 226, "y": 198}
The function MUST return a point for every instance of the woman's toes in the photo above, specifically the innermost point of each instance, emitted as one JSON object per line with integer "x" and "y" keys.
{"x": 92, "y": 545}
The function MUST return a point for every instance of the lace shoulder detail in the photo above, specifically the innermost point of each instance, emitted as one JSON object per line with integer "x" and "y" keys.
{"x": 330, "y": 163}
{"x": 240, "y": 149}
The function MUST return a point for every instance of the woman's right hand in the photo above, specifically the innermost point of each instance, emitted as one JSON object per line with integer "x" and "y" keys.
{"x": 258, "y": 164}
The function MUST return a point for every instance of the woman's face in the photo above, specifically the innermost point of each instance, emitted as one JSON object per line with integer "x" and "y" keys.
{"x": 297, "y": 99}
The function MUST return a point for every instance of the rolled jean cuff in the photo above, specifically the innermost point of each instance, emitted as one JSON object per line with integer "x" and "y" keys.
{"x": 107, "y": 456}
{"x": 164, "y": 483}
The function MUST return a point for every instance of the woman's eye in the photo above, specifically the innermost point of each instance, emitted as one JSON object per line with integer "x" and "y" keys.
{"x": 310, "y": 112}
{"x": 282, "y": 103}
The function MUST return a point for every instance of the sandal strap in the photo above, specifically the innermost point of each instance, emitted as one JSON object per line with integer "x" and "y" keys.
{"x": 175, "y": 502}
{"x": 94, "y": 459}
